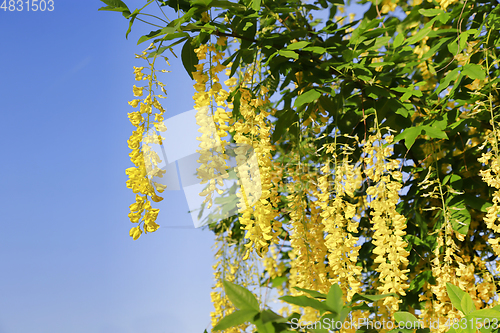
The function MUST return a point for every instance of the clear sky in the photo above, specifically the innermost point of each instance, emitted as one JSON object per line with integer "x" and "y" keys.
{"x": 67, "y": 262}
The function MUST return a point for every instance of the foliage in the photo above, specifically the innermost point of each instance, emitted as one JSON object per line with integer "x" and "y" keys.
{"x": 335, "y": 314}
{"x": 376, "y": 141}
{"x": 330, "y": 306}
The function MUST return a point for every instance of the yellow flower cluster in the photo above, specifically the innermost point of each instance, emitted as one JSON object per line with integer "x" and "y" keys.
{"x": 448, "y": 265}
{"x": 429, "y": 78}
{"x": 388, "y": 6}
{"x": 227, "y": 267}
{"x": 491, "y": 176}
{"x": 307, "y": 235}
{"x": 142, "y": 156}
{"x": 443, "y": 271}
{"x": 445, "y": 3}
{"x": 212, "y": 158}
{"x": 388, "y": 225}
{"x": 485, "y": 291}
{"x": 254, "y": 130}
{"x": 338, "y": 220}
{"x": 212, "y": 124}
{"x": 272, "y": 265}
{"x": 308, "y": 266}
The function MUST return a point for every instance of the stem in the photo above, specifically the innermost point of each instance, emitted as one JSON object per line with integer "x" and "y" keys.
{"x": 159, "y": 26}
{"x": 159, "y": 18}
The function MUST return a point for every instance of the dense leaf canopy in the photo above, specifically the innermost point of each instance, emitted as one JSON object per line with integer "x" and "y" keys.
{"x": 377, "y": 144}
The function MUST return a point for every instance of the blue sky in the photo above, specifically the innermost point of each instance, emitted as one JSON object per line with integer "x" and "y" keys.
{"x": 68, "y": 263}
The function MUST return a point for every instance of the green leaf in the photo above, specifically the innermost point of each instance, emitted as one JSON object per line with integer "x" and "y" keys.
{"x": 307, "y": 97}
{"x": 288, "y": 120}
{"x": 264, "y": 327}
{"x": 174, "y": 35}
{"x": 400, "y": 330}
{"x": 344, "y": 313}
{"x": 269, "y": 315}
{"x": 486, "y": 313}
{"x": 227, "y": 5}
{"x": 256, "y": 5}
{"x": 438, "y": 46}
{"x": 230, "y": 59}
{"x": 278, "y": 281}
{"x": 379, "y": 42}
{"x": 305, "y": 301}
{"x": 456, "y": 182}
{"x": 462, "y": 40}
{"x": 406, "y": 320}
{"x": 404, "y": 89}
{"x": 476, "y": 203}
{"x": 157, "y": 33}
{"x": 334, "y": 298}
{"x": 453, "y": 177}
{"x": 474, "y": 71}
{"x": 470, "y": 325}
{"x": 241, "y": 297}
{"x": 313, "y": 293}
{"x": 236, "y": 318}
{"x": 381, "y": 64}
{"x": 486, "y": 330}
{"x": 440, "y": 122}
{"x": 453, "y": 47}
{"x": 460, "y": 216}
{"x": 455, "y": 294}
{"x": 116, "y": 6}
{"x": 247, "y": 28}
{"x": 132, "y": 19}
{"x": 443, "y": 17}
{"x": 398, "y": 40}
{"x": 298, "y": 45}
{"x": 419, "y": 36}
{"x": 418, "y": 282}
{"x": 467, "y": 304}
{"x": 409, "y": 135}
{"x": 376, "y": 92}
{"x": 189, "y": 58}
{"x": 370, "y": 298}
{"x": 434, "y": 132}
{"x": 248, "y": 25}
{"x": 294, "y": 315}
{"x": 235, "y": 64}
{"x": 430, "y": 12}
{"x": 445, "y": 82}
{"x": 319, "y": 330}
{"x": 288, "y": 54}
{"x": 200, "y": 3}
{"x": 315, "y": 49}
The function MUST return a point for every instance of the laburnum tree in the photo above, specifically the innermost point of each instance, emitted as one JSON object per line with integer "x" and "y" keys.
{"x": 377, "y": 144}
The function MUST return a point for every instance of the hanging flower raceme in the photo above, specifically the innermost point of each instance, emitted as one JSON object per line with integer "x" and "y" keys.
{"x": 304, "y": 232}
{"x": 227, "y": 268}
{"x": 258, "y": 197}
{"x": 444, "y": 272}
{"x": 491, "y": 176}
{"x": 142, "y": 156}
{"x": 338, "y": 219}
{"x": 388, "y": 225}
{"x": 211, "y": 117}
